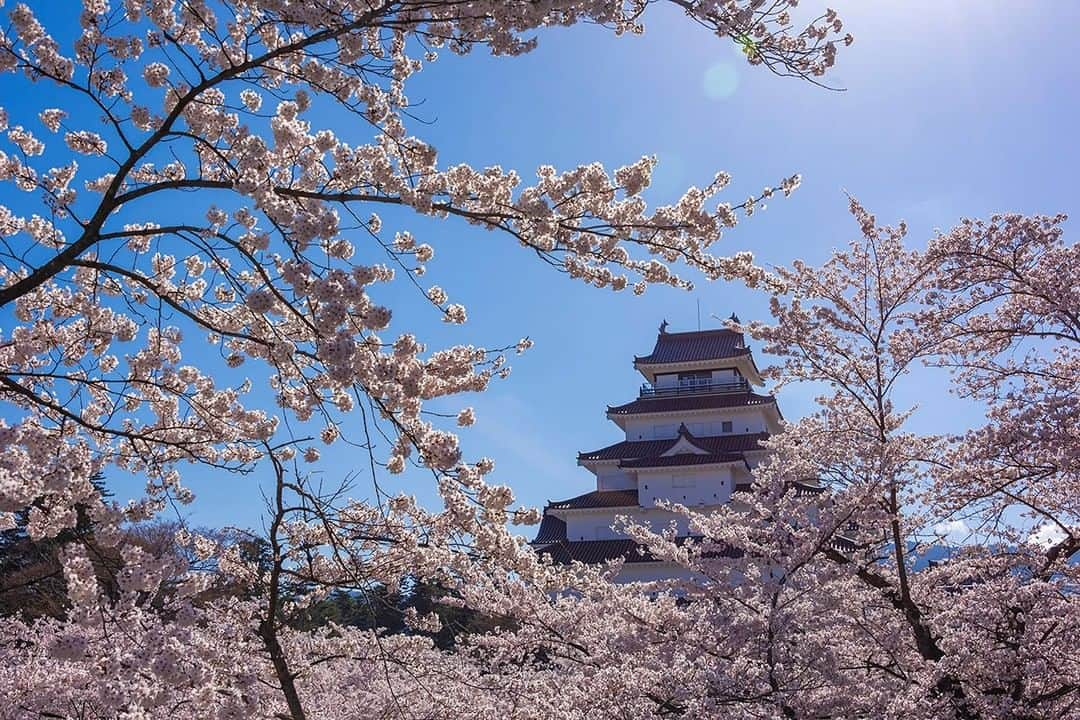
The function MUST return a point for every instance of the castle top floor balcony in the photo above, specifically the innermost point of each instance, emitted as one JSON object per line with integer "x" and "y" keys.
{"x": 695, "y": 386}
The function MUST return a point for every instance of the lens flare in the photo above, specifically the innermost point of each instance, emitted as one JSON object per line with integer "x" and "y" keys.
{"x": 720, "y": 81}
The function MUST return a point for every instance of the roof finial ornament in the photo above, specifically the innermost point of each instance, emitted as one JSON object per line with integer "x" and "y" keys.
{"x": 663, "y": 327}
{"x": 734, "y": 318}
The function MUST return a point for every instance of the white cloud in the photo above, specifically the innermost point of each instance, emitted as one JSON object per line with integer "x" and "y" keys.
{"x": 1047, "y": 535}
{"x": 954, "y": 531}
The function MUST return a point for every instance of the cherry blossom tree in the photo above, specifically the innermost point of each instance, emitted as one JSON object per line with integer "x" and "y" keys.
{"x": 1004, "y": 305}
{"x": 986, "y": 631}
{"x": 829, "y": 589}
{"x": 182, "y": 195}
{"x": 105, "y": 295}
{"x": 191, "y": 199}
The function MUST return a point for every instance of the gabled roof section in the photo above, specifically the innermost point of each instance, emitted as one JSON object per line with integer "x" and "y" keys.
{"x": 695, "y": 346}
{"x": 685, "y": 444}
{"x": 629, "y": 449}
{"x": 598, "y": 499}
{"x": 689, "y": 402}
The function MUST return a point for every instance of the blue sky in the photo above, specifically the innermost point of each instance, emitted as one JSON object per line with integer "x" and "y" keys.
{"x": 952, "y": 108}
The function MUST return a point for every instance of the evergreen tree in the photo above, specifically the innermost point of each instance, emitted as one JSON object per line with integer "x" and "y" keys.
{"x": 31, "y": 577}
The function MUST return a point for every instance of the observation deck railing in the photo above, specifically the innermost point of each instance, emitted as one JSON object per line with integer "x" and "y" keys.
{"x": 739, "y": 385}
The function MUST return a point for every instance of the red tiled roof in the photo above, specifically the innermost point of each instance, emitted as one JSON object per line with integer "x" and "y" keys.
{"x": 682, "y": 459}
{"x": 694, "y": 346}
{"x": 802, "y": 488}
{"x": 842, "y": 543}
{"x": 629, "y": 449}
{"x": 598, "y": 551}
{"x": 598, "y": 499}
{"x": 807, "y": 487}
{"x": 689, "y": 402}
{"x": 552, "y": 529}
{"x": 594, "y": 551}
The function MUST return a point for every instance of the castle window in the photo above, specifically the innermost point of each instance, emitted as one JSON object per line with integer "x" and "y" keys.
{"x": 725, "y": 426}
{"x": 695, "y": 379}
{"x": 663, "y": 432}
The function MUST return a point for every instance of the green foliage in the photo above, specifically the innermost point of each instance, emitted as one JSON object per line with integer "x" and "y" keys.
{"x": 31, "y": 578}
{"x": 384, "y": 609}
{"x": 32, "y": 582}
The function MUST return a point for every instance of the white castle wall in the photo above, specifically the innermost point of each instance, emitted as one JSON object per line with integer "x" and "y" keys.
{"x": 700, "y": 425}
{"x": 686, "y": 487}
{"x": 610, "y": 477}
{"x": 650, "y": 572}
{"x": 596, "y": 524}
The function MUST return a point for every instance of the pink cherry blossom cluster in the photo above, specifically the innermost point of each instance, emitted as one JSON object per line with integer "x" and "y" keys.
{"x": 138, "y": 336}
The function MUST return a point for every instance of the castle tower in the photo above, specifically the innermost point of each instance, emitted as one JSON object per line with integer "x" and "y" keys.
{"x": 690, "y": 437}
